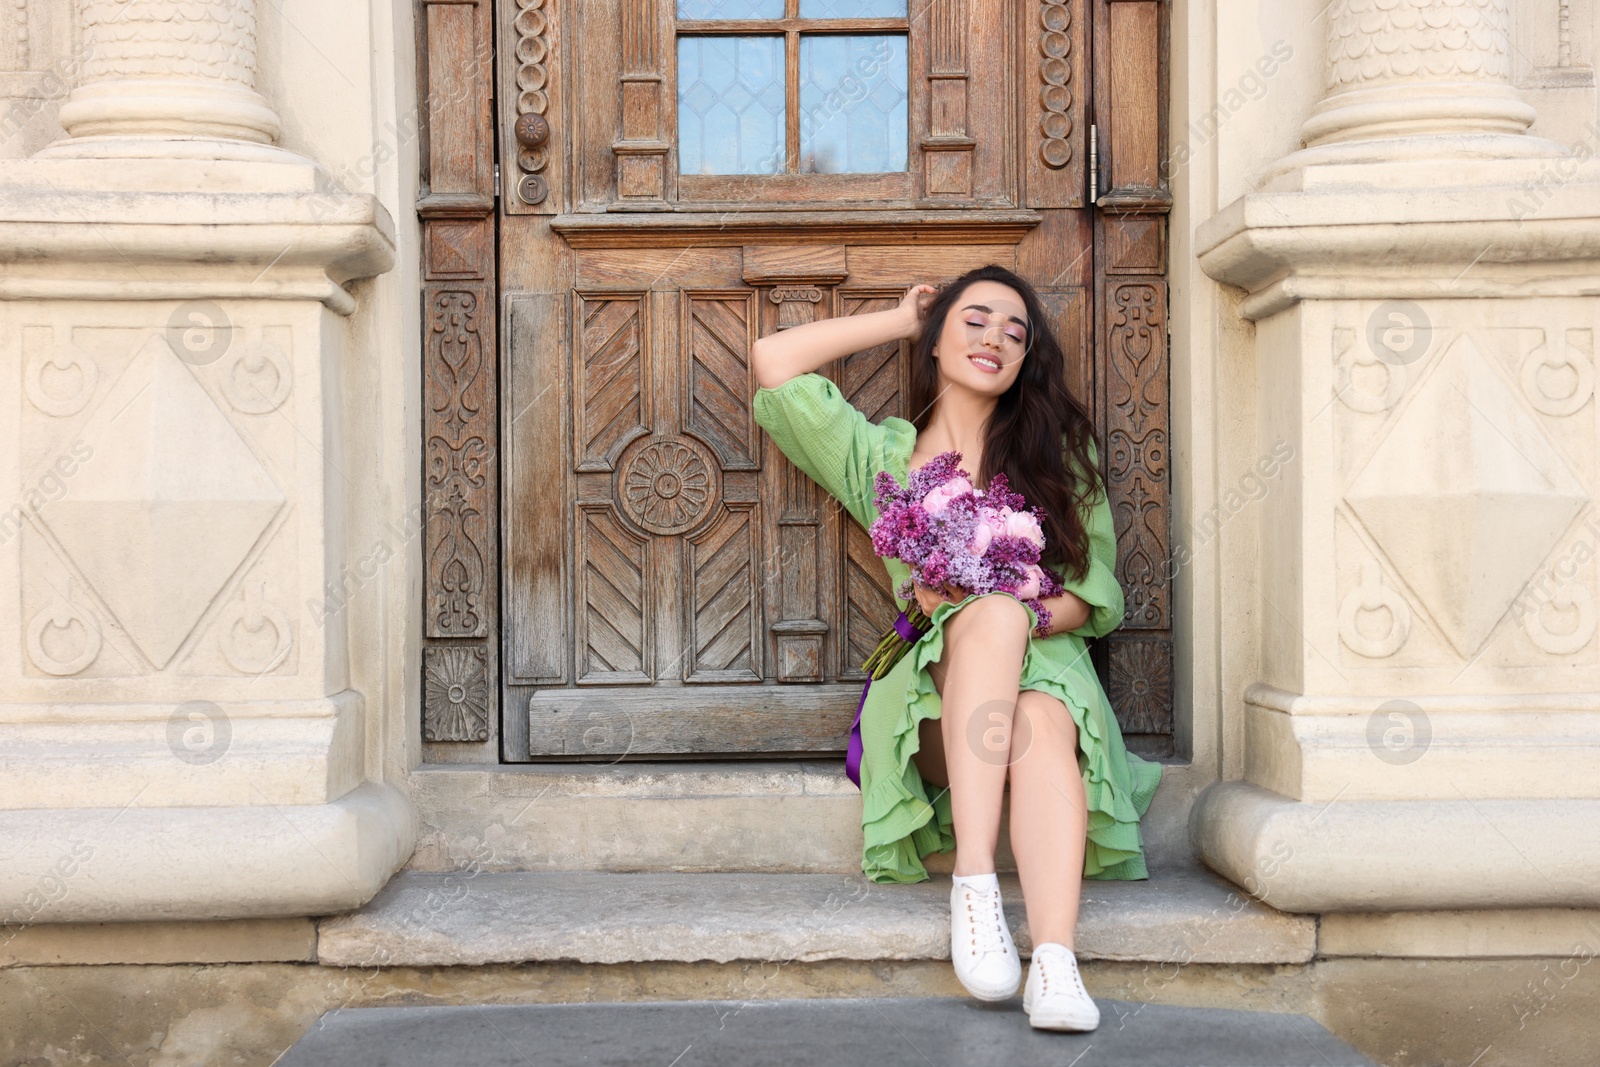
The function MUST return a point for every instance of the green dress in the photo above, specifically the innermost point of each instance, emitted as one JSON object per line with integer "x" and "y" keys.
{"x": 828, "y": 438}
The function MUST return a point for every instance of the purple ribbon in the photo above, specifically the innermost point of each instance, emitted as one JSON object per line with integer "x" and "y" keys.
{"x": 852, "y": 754}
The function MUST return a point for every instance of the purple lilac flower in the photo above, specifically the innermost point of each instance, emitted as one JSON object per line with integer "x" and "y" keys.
{"x": 938, "y": 545}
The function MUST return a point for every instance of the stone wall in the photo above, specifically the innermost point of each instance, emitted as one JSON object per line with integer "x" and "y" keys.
{"x": 1416, "y": 728}
{"x": 211, "y": 355}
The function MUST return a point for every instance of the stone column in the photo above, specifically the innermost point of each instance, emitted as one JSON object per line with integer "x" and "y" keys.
{"x": 178, "y": 738}
{"x": 1426, "y": 719}
{"x": 1416, "y": 69}
{"x": 168, "y": 69}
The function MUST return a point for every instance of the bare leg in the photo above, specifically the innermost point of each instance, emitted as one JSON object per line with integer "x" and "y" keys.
{"x": 1049, "y": 815}
{"x": 977, "y": 677}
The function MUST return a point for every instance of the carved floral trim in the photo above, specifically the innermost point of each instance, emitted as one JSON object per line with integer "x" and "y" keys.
{"x": 455, "y": 694}
{"x": 1141, "y": 684}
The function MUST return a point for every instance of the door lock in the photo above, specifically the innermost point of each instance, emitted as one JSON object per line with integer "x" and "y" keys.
{"x": 532, "y": 189}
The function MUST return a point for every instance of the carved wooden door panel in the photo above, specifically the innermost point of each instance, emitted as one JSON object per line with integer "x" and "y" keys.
{"x": 715, "y": 600}
{"x": 1132, "y": 357}
{"x": 675, "y": 179}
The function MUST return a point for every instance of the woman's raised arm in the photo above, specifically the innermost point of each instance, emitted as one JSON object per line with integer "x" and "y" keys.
{"x": 801, "y": 349}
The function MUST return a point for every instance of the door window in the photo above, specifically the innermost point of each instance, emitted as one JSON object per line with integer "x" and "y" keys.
{"x": 792, "y": 87}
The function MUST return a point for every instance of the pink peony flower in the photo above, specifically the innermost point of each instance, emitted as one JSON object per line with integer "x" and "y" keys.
{"x": 939, "y": 497}
{"x": 981, "y": 536}
{"x": 1025, "y": 525}
{"x": 1031, "y": 584}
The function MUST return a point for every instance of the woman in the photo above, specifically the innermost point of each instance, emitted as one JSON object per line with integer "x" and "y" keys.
{"x": 983, "y": 697}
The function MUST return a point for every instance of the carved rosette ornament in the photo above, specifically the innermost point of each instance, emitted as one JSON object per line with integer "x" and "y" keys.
{"x": 455, "y": 694}
{"x": 1141, "y": 685}
{"x": 667, "y": 485}
{"x": 1400, "y": 68}
{"x": 164, "y": 69}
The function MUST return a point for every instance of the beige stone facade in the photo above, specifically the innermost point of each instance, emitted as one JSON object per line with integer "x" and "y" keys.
{"x": 1385, "y": 297}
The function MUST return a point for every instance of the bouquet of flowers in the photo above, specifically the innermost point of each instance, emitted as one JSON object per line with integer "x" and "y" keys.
{"x": 983, "y": 541}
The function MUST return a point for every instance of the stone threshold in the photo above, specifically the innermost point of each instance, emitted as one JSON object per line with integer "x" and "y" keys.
{"x": 767, "y": 816}
{"x": 465, "y": 918}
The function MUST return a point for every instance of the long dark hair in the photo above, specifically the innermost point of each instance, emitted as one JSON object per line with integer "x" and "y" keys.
{"x": 1037, "y": 426}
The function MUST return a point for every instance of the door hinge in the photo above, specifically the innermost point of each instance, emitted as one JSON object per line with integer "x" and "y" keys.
{"x": 1094, "y": 164}
{"x": 497, "y": 181}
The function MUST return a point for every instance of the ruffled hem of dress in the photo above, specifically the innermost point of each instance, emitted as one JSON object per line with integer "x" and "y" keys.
{"x": 901, "y": 824}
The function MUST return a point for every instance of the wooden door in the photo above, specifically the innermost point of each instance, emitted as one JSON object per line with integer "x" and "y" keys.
{"x": 677, "y": 178}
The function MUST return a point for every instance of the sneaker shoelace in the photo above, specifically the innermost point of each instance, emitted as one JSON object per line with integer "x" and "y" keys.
{"x": 1051, "y": 963}
{"x": 988, "y": 919}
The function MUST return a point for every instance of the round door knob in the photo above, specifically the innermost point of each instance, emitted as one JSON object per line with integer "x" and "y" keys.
{"x": 532, "y": 130}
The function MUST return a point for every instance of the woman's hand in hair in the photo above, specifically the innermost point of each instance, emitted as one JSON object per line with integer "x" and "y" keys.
{"x": 785, "y": 354}
{"x": 913, "y": 308}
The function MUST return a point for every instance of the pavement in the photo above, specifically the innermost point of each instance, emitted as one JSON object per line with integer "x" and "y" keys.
{"x": 884, "y": 1032}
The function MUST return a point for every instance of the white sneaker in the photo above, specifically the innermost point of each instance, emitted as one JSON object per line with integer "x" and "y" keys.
{"x": 980, "y": 943}
{"x": 1055, "y": 998}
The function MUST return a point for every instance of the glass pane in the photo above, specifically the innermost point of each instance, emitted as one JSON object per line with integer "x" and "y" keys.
{"x": 852, "y": 104}
{"x": 852, "y": 9}
{"x": 734, "y": 9}
{"x": 730, "y": 105}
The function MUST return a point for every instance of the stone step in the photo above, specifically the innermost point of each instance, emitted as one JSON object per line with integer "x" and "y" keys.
{"x": 888, "y": 1032}
{"x": 761, "y": 815}
{"x": 471, "y": 918}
